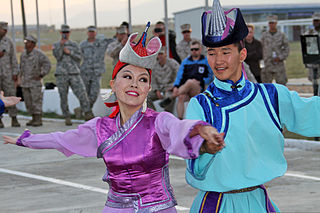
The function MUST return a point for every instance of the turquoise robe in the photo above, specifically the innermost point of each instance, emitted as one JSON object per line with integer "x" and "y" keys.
{"x": 252, "y": 117}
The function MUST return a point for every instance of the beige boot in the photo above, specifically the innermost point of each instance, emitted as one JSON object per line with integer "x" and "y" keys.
{"x": 1, "y": 124}
{"x": 78, "y": 112}
{"x": 88, "y": 115}
{"x": 37, "y": 120}
{"x": 68, "y": 121}
{"x": 30, "y": 123}
{"x": 14, "y": 122}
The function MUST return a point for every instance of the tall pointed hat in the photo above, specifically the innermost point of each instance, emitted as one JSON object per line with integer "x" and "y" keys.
{"x": 221, "y": 28}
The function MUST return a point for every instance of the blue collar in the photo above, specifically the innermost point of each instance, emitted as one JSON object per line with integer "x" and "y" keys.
{"x": 228, "y": 85}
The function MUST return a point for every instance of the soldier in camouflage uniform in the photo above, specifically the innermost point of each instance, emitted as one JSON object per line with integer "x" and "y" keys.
{"x": 34, "y": 65}
{"x": 275, "y": 51}
{"x": 115, "y": 47}
{"x": 183, "y": 47}
{"x": 163, "y": 76}
{"x": 9, "y": 70}
{"x": 314, "y": 69}
{"x": 93, "y": 51}
{"x": 67, "y": 74}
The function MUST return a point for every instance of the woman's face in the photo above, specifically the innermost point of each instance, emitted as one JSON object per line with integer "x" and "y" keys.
{"x": 131, "y": 86}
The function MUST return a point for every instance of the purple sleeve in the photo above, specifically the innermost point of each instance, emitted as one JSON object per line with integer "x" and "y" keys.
{"x": 81, "y": 141}
{"x": 174, "y": 135}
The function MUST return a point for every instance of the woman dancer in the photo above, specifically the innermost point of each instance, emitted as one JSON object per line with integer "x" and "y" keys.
{"x": 133, "y": 141}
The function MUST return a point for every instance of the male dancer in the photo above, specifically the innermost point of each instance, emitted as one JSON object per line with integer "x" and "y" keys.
{"x": 250, "y": 115}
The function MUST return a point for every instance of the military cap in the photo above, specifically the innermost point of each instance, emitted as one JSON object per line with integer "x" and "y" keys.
{"x": 4, "y": 25}
{"x": 316, "y": 16}
{"x": 92, "y": 28}
{"x": 186, "y": 28}
{"x": 31, "y": 38}
{"x": 122, "y": 29}
{"x": 272, "y": 18}
{"x": 65, "y": 28}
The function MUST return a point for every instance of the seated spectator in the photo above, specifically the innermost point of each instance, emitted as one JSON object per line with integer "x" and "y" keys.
{"x": 163, "y": 76}
{"x": 194, "y": 73}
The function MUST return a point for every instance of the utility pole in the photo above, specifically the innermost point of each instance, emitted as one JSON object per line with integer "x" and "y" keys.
{"x": 167, "y": 25}
{"x": 23, "y": 20}
{"x": 38, "y": 26}
{"x": 129, "y": 14}
{"x": 64, "y": 12}
{"x": 94, "y": 13}
{"x": 13, "y": 32}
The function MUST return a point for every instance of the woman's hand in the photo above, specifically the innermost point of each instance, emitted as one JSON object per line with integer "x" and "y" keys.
{"x": 9, "y": 140}
{"x": 213, "y": 140}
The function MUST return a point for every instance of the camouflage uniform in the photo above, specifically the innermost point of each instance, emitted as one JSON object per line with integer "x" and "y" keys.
{"x": 93, "y": 66}
{"x": 162, "y": 79}
{"x": 183, "y": 49}
{"x": 8, "y": 67}
{"x": 113, "y": 50}
{"x": 32, "y": 65}
{"x": 311, "y": 67}
{"x": 274, "y": 45}
{"x": 68, "y": 74}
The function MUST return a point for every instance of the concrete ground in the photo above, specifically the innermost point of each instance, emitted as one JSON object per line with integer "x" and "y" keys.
{"x": 43, "y": 181}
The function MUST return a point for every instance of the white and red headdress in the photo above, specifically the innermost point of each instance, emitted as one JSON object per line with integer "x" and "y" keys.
{"x": 138, "y": 54}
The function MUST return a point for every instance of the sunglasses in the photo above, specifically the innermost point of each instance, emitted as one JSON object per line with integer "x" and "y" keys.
{"x": 194, "y": 49}
{"x": 157, "y": 30}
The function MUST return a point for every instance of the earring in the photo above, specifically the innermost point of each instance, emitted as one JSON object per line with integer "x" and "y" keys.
{"x": 144, "y": 105}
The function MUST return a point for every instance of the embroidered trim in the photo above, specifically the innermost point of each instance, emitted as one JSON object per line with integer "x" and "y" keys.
{"x": 24, "y": 135}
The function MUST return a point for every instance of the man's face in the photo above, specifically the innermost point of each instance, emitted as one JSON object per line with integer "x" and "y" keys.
{"x": 162, "y": 57}
{"x": 272, "y": 26}
{"x": 121, "y": 36}
{"x": 195, "y": 50}
{"x": 65, "y": 35}
{"x": 159, "y": 30}
{"x": 316, "y": 23}
{"x": 186, "y": 35}
{"x": 226, "y": 61}
{"x": 92, "y": 34}
{"x": 3, "y": 32}
{"x": 250, "y": 34}
{"x": 29, "y": 45}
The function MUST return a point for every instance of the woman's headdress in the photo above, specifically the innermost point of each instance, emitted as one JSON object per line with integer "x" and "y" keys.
{"x": 139, "y": 54}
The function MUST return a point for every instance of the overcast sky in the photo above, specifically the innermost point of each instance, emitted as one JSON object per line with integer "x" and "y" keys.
{"x": 110, "y": 12}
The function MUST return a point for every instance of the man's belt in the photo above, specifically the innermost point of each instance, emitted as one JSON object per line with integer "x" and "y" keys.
{"x": 242, "y": 190}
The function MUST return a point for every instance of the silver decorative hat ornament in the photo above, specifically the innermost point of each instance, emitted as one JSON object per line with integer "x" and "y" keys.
{"x": 221, "y": 28}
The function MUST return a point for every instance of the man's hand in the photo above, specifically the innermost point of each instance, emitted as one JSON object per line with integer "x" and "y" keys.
{"x": 159, "y": 96}
{"x": 175, "y": 92}
{"x": 9, "y": 101}
{"x": 213, "y": 140}
{"x": 37, "y": 78}
{"x": 277, "y": 59}
{"x": 66, "y": 51}
{"x": 124, "y": 40}
{"x": 14, "y": 77}
{"x": 63, "y": 41}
